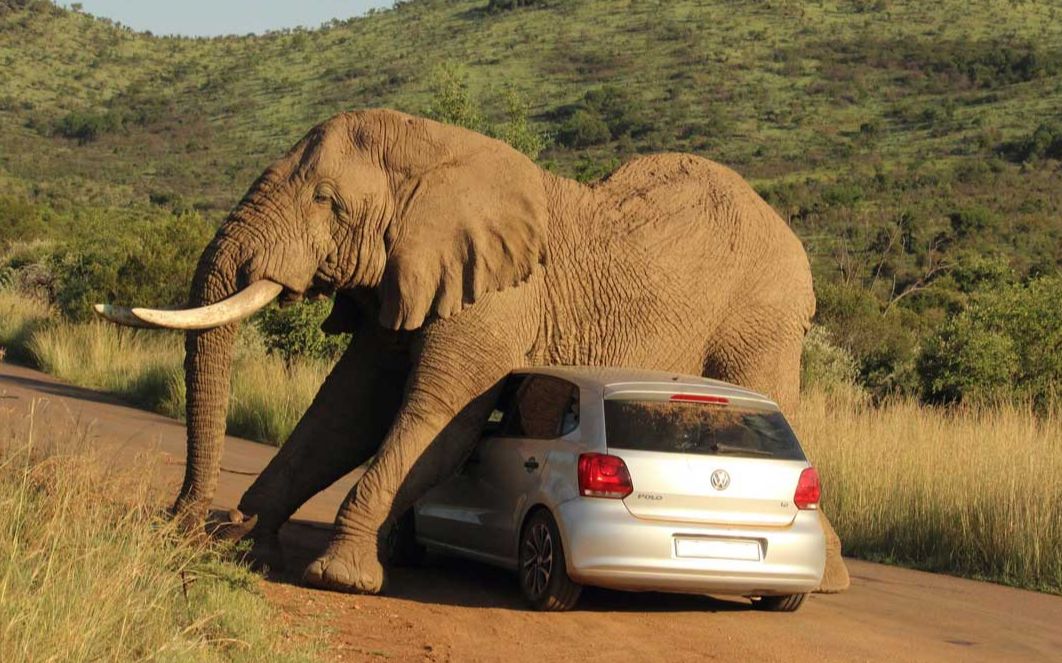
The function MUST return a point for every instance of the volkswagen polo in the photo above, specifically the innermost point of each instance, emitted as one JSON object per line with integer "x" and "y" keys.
{"x": 632, "y": 480}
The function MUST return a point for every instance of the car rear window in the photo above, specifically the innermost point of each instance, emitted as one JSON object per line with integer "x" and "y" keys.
{"x": 699, "y": 428}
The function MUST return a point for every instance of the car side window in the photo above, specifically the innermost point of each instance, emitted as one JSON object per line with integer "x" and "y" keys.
{"x": 545, "y": 407}
{"x": 500, "y": 414}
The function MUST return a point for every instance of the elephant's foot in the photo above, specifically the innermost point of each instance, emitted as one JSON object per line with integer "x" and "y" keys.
{"x": 265, "y": 554}
{"x": 835, "y": 578}
{"x": 347, "y": 566}
{"x": 190, "y": 515}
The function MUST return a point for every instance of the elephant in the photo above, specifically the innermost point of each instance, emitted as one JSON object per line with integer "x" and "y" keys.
{"x": 454, "y": 259}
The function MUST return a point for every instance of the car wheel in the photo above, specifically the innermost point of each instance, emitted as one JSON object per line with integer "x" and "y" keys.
{"x": 790, "y": 603}
{"x": 402, "y": 546}
{"x": 543, "y": 575}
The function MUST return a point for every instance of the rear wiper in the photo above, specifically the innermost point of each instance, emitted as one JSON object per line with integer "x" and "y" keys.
{"x": 731, "y": 449}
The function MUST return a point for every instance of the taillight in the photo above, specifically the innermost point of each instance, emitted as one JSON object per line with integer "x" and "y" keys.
{"x": 601, "y": 475}
{"x": 700, "y": 398}
{"x": 808, "y": 490}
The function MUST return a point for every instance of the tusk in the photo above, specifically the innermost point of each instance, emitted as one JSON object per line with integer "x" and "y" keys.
{"x": 236, "y": 307}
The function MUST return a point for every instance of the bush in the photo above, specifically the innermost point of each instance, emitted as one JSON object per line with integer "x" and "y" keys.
{"x": 295, "y": 331}
{"x": 624, "y": 115}
{"x": 584, "y": 128}
{"x": 824, "y": 365}
{"x": 87, "y": 126}
{"x": 884, "y": 346}
{"x": 1004, "y": 345}
{"x": 1044, "y": 142}
{"x": 452, "y": 100}
{"x": 153, "y": 267}
{"x": 517, "y": 130}
{"x": 603, "y": 114}
{"x": 453, "y": 103}
{"x": 973, "y": 222}
{"x": 505, "y": 5}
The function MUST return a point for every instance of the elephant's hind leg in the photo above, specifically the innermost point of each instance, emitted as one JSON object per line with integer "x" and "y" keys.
{"x": 767, "y": 359}
{"x": 835, "y": 578}
{"x": 342, "y": 429}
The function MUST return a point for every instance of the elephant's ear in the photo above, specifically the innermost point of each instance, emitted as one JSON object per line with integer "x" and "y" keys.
{"x": 474, "y": 224}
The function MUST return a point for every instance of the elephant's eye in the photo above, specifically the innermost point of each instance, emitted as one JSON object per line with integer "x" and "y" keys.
{"x": 324, "y": 195}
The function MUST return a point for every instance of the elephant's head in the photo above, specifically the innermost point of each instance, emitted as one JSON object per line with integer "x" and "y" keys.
{"x": 420, "y": 217}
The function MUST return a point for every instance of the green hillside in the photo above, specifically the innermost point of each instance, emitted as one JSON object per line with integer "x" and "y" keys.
{"x": 914, "y": 146}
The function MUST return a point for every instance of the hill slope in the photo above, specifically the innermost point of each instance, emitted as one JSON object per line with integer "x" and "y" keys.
{"x": 903, "y": 140}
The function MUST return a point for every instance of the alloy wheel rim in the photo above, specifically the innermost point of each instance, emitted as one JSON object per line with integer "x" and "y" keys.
{"x": 538, "y": 559}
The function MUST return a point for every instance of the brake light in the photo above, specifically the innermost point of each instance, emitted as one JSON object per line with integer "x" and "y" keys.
{"x": 700, "y": 398}
{"x": 808, "y": 490}
{"x": 601, "y": 475}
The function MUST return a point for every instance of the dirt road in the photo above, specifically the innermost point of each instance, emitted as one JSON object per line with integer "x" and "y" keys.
{"x": 457, "y": 611}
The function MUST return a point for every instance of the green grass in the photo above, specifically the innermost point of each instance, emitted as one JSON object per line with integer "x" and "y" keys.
{"x": 90, "y": 571}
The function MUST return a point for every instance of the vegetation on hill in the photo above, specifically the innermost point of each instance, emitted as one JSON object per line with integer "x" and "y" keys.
{"x": 913, "y": 146}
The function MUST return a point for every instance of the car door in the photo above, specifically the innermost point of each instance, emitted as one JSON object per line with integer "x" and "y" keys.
{"x": 452, "y": 514}
{"x": 487, "y": 497}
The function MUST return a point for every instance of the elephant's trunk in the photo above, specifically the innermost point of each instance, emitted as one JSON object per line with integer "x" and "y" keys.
{"x": 208, "y": 370}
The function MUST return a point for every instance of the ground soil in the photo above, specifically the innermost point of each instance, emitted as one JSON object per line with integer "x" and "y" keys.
{"x": 451, "y": 610}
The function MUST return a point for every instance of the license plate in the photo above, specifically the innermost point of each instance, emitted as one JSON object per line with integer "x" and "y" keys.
{"x": 718, "y": 549}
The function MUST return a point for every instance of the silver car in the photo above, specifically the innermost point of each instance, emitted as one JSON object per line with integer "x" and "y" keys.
{"x": 632, "y": 480}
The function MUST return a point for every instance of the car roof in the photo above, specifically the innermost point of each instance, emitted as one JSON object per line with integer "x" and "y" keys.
{"x": 606, "y": 380}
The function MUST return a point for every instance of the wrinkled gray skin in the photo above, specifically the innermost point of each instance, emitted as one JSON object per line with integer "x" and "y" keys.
{"x": 455, "y": 260}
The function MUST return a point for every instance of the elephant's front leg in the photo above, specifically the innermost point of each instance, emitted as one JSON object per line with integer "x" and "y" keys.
{"x": 449, "y": 397}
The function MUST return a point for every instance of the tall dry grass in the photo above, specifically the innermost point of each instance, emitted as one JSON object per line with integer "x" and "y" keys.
{"x": 89, "y": 573}
{"x": 146, "y": 367}
{"x": 973, "y": 491}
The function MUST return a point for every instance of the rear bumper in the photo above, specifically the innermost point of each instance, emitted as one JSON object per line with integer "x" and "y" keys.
{"x": 606, "y": 546}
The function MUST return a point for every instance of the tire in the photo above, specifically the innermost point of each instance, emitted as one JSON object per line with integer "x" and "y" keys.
{"x": 542, "y": 572}
{"x": 402, "y": 546}
{"x": 790, "y": 603}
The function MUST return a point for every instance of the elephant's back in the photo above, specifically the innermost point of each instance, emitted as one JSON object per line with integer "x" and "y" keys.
{"x": 667, "y": 201}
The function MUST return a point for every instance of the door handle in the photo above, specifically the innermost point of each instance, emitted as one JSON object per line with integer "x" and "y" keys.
{"x": 531, "y": 464}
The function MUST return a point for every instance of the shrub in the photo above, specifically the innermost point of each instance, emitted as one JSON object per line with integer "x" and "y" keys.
{"x": 153, "y": 267}
{"x": 505, "y": 5}
{"x": 589, "y": 170}
{"x": 453, "y": 103}
{"x": 295, "y": 331}
{"x": 1044, "y": 142}
{"x": 452, "y": 100}
{"x": 623, "y": 114}
{"x": 973, "y": 221}
{"x": 18, "y": 220}
{"x": 884, "y": 345}
{"x": 825, "y": 365}
{"x": 517, "y": 130}
{"x": 584, "y": 128}
{"x": 603, "y": 114}
{"x": 85, "y": 126}
{"x": 1005, "y": 344}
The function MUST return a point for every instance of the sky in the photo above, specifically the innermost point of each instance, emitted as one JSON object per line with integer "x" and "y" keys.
{"x": 207, "y": 18}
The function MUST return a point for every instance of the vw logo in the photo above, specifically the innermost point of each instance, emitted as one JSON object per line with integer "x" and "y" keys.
{"x": 720, "y": 480}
